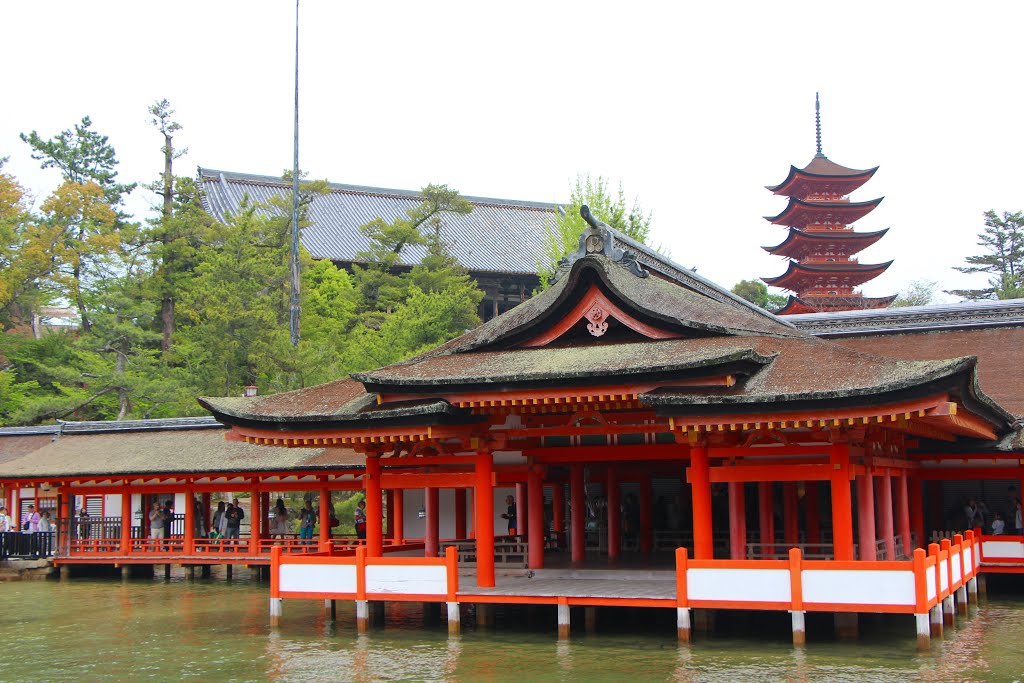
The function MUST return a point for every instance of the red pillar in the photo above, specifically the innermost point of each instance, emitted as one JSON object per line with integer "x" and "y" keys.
{"x": 255, "y": 517}
{"x": 885, "y": 507}
{"x": 766, "y": 516}
{"x": 903, "y": 513}
{"x": 522, "y": 511}
{"x": 737, "y": 521}
{"x": 790, "y": 515}
{"x": 535, "y": 501}
{"x": 389, "y": 514}
{"x": 126, "y": 520}
{"x": 614, "y": 520}
{"x": 325, "y": 514}
{"x": 374, "y": 513}
{"x": 431, "y": 540}
{"x": 646, "y": 509}
{"x": 866, "y": 517}
{"x": 578, "y": 513}
{"x": 483, "y": 496}
{"x": 842, "y": 504}
{"x": 460, "y": 513}
{"x": 398, "y": 516}
{"x": 812, "y": 515}
{"x": 700, "y": 487}
{"x": 915, "y": 501}
{"x": 558, "y": 512}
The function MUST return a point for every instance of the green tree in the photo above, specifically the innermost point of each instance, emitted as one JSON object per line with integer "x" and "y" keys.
{"x": 380, "y": 286}
{"x": 918, "y": 293}
{"x": 756, "y": 292}
{"x": 26, "y": 254}
{"x": 566, "y": 227}
{"x": 1003, "y": 242}
{"x": 81, "y": 154}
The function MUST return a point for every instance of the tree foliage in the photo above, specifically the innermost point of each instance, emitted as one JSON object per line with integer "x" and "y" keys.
{"x": 607, "y": 205}
{"x": 1002, "y": 240}
{"x": 756, "y": 292}
{"x": 918, "y": 293}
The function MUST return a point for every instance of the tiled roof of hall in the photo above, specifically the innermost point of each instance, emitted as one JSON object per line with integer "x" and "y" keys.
{"x": 500, "y": 236}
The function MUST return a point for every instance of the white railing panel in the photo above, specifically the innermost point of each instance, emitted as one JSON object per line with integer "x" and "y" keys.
{"x": 968, "y": 559}
{"x": 943, "y": 576}
{"x": 858, "y": 586}
{"x": 408, "y": 579}
{"x": 1002, "y": 550}
{"x": 317, "y": 578}
{"x": 954, "y": 558}
{"x": 929, "y": 578}
{"x": 746, "y": 585}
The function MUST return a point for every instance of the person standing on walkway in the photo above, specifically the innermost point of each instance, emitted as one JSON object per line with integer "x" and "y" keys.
{"x": 360, "y": 519}
{"x": 31, "y": 523}
{"x": 156, "y": 521}
{"x": 307, "y": 520}
{"x": 510, "y": 514}
{"x": 5, "y": 520}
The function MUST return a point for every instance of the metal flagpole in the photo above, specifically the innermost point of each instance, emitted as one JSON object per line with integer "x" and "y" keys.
{"x": 294, "y": 318}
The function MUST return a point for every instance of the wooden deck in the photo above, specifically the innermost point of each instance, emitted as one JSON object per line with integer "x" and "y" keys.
{"x": 584, "y": 586}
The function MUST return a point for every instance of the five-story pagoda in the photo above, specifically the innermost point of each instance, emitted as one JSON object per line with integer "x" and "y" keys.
{"x": 822, "y": 244}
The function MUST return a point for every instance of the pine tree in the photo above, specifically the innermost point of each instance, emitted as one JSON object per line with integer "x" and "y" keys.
{"x": 1003, "y": 241}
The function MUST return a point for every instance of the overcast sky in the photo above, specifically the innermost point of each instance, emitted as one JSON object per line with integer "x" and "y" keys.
{"x": 694, "y": 106}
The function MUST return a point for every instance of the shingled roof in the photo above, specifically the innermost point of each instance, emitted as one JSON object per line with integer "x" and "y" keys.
{"x": 704, "y": 333}
{"x": 497, "y": 236}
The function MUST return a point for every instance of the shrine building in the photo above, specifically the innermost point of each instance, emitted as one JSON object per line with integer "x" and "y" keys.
{"x": 659, "y": 442}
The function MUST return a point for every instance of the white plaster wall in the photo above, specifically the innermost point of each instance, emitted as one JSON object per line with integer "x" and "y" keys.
{"x": 112, "y": 505}
{"x": 409, "y": 579}
{"x": 318, "y": 578}
{"x": 748, "y": 585}
{"x": 1003, "y": 549}
{"x": 858, "y": 586}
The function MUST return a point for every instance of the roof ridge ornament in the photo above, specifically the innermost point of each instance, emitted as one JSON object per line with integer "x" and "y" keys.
{"x": 598, "y": 238}
{"x": 817, "y": 122}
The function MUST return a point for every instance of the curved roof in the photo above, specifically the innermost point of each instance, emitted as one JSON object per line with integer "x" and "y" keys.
{"x": 856, "y": 273}
{"x": 796, "y": 242}
{"x": 800, "y": 214}
{"x": 822, "y": 172}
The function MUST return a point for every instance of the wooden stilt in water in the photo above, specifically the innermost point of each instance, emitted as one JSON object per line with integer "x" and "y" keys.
{"x": 704, "y": 620}
{"x": 484, "y": 614}
{"x": 846, "y": 625}
{"x": 564, "y": 620}
{"x": 454, "y": 619}
{"x": 961, "y": 600}
{"x": 275, "y": 612}
{"x": 683, "y": 627}
{"x": 948, "y": 611}
{"x": 330, "y": 610}
{"x": 972, "y": 591}
{"x": 924, "y": 634}
{"x": 799, "y": 627}
{"x": 65, "y": 572}
{"x": 377, "y": 613}
{"x": 204, "y": 572}
{"x": 590, "y": 619}
{"x": 167, "y": 571}
{"x": 126, "y": 572}
{"x": 362, "y": 616}
{"x": 228, "y": 571}
{"x": 935, "y": 618}
{"x": 191, "y": 572}
{"x": 982, "y": 588}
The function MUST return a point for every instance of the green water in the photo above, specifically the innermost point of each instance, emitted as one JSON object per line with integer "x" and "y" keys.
{"x": 104, "y": 630}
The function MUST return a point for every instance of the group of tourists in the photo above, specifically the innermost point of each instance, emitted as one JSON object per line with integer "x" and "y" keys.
{"x": 32, "y": 522}
{"x": 975, "y": 513}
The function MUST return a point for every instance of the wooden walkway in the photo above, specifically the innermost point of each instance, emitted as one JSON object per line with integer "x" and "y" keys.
{"x": 547, "y": 585}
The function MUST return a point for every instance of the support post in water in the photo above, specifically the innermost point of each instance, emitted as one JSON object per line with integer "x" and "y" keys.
{"x": 275, "y": 612}
{"x": 590, "y": 619}
{"x": 454, "y": 619}
{"x": 564, "y": 620}
{"x": 799, "y": 627}
{"x": 936, "y": 620}
{"x": 683, "y": 628}
{"x": 362, "y": 616}
{"x": 924, "y": 634}
{"x": 972, "y": 590}
{"x": 330, "y": 609}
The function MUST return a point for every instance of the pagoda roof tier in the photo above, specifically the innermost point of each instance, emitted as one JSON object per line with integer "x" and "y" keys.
{"x": 800, "y": 214}
{"x": 802, "y": 276}
{"x": 612, "y": 336}
{"x": 822, "y": 176}
{"x": 802, "y": 243}
{"x": 833, "y": 304}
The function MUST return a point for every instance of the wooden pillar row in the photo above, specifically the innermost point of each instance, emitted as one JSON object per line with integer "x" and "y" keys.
{"x": 577, "y": 513}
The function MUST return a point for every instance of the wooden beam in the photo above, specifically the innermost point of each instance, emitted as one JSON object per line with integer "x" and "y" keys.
{"x": 757, "y": 473}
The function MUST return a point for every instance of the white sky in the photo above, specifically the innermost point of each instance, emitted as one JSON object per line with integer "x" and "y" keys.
{"x": 694, "y": 106}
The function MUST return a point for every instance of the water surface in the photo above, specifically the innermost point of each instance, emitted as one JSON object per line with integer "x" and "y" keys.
{"x": 213, "y": 630}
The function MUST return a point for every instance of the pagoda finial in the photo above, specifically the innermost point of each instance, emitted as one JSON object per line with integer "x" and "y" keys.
{"x": 817, "y": 122}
